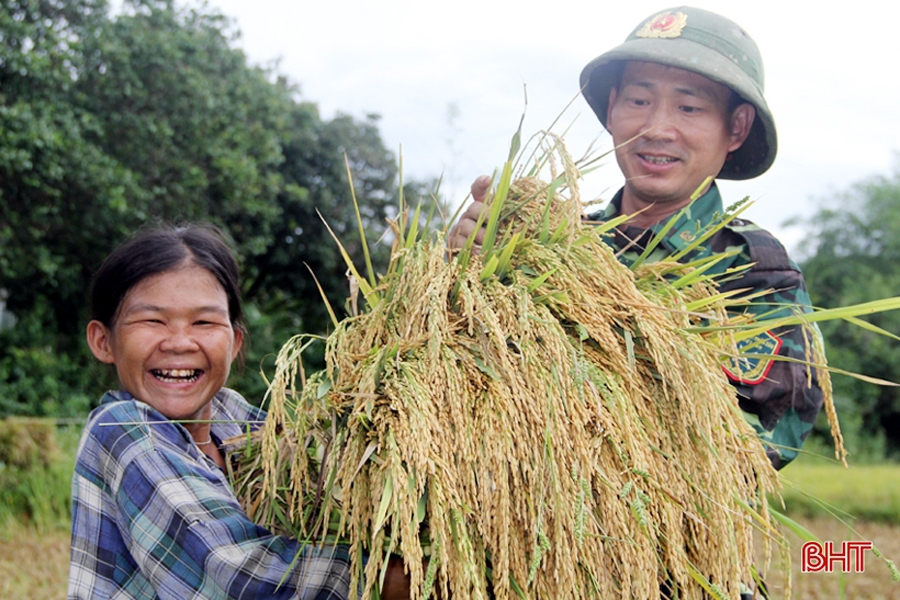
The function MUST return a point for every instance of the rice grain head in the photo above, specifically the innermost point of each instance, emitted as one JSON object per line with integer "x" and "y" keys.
{"x": 552, "y": 432}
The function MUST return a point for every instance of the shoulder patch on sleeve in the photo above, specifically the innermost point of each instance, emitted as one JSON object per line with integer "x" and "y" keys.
{"x": 753, "y": 367}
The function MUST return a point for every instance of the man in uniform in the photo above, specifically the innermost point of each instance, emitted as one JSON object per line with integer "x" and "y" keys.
{"x": 683, "y": 100}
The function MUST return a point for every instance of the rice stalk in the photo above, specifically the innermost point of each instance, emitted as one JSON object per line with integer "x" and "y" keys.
{"x": 534, "y": 421}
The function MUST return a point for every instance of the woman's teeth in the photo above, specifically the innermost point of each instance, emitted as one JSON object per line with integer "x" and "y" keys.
{"x": 176, "y": 375}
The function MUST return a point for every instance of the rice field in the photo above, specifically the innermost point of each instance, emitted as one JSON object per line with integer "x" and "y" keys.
{"x": 812, "y": 488}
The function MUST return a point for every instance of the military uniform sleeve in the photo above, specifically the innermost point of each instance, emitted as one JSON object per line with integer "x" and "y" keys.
{"x": 780, "y": 398}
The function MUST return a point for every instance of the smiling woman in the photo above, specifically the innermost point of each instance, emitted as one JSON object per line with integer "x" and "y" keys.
{"x": 173, "y": 345}
{"x": 153, "y": 513}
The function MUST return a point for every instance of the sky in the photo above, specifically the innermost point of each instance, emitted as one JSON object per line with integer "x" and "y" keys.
{"x": 451, "y": 81}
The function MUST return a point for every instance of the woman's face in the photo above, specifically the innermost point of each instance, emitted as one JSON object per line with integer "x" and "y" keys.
{"x": 172, "y": 341}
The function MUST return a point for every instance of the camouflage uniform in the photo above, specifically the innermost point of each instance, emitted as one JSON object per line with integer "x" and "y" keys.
{"x": 780, "y": 399}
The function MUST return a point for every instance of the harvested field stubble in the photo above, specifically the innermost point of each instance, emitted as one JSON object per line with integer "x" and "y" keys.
{"x": 34, "y": 564}
{"x": 536, "y": 420}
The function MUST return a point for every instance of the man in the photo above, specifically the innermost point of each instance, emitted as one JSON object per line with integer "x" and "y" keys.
{"x": 683, "y": 100}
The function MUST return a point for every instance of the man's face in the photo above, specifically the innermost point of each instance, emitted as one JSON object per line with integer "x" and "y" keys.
{"x": 672, "y": 129}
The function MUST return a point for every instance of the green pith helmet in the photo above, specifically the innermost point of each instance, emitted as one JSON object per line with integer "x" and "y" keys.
{"x": 705, "y": 43}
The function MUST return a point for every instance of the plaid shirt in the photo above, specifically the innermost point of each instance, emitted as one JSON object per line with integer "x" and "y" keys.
{"x": 154, "y": 517}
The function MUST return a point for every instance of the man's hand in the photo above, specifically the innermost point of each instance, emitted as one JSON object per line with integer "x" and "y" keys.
{"x": 465, "y": 226}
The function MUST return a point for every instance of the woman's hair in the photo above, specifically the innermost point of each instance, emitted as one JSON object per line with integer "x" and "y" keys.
{"x": 162, "y": 249}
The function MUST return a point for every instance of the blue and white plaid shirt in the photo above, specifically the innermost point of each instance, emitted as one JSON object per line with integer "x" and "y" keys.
{"x": 154, "y": 517}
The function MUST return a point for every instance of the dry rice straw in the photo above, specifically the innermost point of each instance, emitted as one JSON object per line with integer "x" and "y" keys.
{"x": 555, "y": 438}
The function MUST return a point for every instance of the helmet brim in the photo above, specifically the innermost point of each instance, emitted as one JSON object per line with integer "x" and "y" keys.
{"x": 755, "y": 155}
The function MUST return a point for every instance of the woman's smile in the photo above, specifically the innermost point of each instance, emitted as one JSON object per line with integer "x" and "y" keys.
{"x": 172, "y": 341}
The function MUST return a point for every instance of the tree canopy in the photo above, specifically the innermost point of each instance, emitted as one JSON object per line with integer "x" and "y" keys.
{"x": 110, "y": 123}
{"x": 852, "y": 250}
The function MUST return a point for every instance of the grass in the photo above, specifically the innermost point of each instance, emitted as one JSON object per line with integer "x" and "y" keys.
{"x": 837, "y": 504}
{"x": 35, "y": 520}
{"x": 874, "y": 582}
{"x": 866, "y": 492}
{"x": 39, "y": 495}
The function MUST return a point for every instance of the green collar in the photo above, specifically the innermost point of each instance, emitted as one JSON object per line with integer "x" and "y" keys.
{"x": 687, "y": 222}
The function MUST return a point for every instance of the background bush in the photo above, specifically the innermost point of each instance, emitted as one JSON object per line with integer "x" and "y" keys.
{"x": 36, "y": 465}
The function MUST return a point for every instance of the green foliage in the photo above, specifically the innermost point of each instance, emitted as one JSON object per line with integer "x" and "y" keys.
{"x": 853, "y": 256}
{"x": 40, "y": 375}
{"x": 108, "y": 124}
{"x": 268, "y": 332}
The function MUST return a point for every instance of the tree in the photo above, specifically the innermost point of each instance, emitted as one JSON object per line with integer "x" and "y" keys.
{"x": 49, "y": 163}
{"x": 853, "y": 256}
{"x": 108, "y": 124}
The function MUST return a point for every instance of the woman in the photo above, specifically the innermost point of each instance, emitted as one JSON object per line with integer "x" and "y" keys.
{"x": 153, "y": 513}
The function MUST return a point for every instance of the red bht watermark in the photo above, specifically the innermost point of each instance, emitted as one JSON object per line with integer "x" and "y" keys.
{"x": 851, "y": 558}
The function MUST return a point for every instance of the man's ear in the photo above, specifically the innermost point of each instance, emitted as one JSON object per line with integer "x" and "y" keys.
{"x": 741, "y": 122}
{"x": 99, "y": 340}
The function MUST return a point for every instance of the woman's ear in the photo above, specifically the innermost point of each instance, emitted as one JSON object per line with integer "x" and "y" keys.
{"x": 99, "y": 340}
{"x": 238, "y": 342}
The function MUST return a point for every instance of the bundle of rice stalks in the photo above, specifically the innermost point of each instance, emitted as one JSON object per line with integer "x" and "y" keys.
{"x": 530, "y": 420}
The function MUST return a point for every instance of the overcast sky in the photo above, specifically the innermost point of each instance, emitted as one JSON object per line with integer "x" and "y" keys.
{"x": 448, "y": 80}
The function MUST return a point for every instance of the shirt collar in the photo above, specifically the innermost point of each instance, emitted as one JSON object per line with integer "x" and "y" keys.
{"x": 116, "y": 396}
{"x": 687, "y": 222}
{"x": 228, "y": 406}
{"x": 122, "y": 395}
